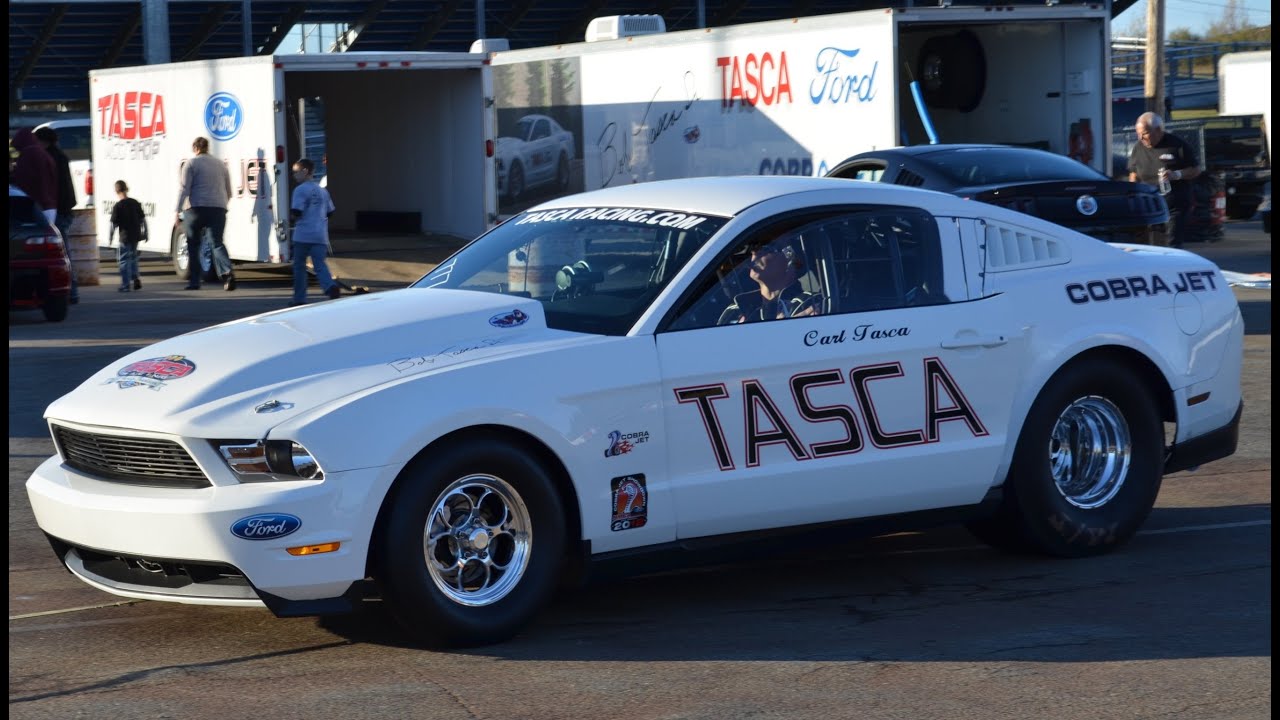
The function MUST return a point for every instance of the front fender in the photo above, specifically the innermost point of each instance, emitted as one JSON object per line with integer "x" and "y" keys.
{"x": 569, "y": 399}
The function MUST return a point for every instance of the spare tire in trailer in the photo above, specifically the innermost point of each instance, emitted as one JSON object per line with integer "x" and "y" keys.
{"x": 952, "y": 71}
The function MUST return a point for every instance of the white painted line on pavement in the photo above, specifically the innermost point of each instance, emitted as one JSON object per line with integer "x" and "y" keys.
{"x": 122, "y": 603}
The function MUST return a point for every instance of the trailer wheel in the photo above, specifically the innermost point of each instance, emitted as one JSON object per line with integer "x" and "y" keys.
{"x": 178, "y": 253}
{"x": 1241, "y": 209}
{"x": 952, "y": 71}
{"x": 562, "y": 172}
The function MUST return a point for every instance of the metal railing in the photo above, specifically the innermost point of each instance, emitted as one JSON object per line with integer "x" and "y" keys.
{"x": 1184, "y": 60}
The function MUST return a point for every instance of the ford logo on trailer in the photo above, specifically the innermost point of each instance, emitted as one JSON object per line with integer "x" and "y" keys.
{"x": 223, "y": 116}
{"x": 266, "y": 527}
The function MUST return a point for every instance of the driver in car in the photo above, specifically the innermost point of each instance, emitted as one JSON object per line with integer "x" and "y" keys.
{"x": 775, "y": 267}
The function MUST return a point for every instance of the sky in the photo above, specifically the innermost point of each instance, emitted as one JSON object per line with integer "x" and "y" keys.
{"x": 1193, "y": 14}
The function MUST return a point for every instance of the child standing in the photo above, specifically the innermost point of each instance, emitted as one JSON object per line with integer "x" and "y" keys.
{"x": 309, "y": 211}
{"x": 127, "y": 217}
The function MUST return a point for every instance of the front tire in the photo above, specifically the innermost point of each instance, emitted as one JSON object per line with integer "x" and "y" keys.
{"x": 515, "y": 181}
{"x": 472, "y": 545}
{"x": 562, "y": 172}
{"x": 1087, "y": 467}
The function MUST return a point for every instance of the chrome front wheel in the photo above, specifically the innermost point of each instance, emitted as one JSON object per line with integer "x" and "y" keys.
{"x": 478, "y": 540}
{"x": 456, "y": 556}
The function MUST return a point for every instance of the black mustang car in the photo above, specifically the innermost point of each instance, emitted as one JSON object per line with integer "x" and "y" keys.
{"x": 1039, "y": 183}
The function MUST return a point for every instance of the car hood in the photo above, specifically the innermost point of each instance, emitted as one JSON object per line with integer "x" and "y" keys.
{"x": 507, "y": 143}
{"x": 244, "y": 377}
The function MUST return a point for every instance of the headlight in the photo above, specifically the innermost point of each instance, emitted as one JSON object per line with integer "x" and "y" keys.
{"x": 258, "y": 460}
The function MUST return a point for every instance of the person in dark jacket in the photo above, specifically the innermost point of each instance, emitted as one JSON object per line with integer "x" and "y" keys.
{"x": 48, "y": 137}
{"x": 35, "y": 173}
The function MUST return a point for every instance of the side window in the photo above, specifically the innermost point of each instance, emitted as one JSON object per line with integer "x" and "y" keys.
{"x": 772, "y": 273}
{"x": 870, "y": 174}
{"x": 885, "y": 259}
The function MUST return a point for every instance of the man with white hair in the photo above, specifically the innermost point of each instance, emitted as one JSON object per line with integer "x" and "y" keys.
{"x": 1166, "y": 161}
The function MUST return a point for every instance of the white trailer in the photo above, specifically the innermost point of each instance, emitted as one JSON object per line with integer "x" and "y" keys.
{"x": 444, "y": 142}
{"x": 407, "y": 138}
{"x": 799, "y": 96}
{"x": 1244, "y": 86}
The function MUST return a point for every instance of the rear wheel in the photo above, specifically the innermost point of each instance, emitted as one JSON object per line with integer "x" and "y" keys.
{"x": 472, "y": 543}
{"x": 1087, "y": 467}
{"x": 55, "y": 308}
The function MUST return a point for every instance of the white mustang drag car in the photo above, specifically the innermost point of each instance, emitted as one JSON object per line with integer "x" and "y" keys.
{"x": 643, "y": 368}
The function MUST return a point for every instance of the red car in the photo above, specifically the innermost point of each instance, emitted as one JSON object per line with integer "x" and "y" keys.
{"x": 39, "y": 271}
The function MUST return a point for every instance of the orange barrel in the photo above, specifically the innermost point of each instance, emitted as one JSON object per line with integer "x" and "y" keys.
{"x": 82, "y": 247}
{"x": 533, "y": 267}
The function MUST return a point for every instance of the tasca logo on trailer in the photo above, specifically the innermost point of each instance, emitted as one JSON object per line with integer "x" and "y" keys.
{"x": 133, "y": 115}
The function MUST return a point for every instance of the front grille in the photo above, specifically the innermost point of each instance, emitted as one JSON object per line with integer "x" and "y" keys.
{"x": 132, "y": 460}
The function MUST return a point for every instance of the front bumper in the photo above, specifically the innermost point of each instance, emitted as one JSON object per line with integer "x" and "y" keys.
{"x": 176, "y": 544}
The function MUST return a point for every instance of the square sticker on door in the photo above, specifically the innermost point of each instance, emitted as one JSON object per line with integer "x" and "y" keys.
{"x": 630, "y": 503}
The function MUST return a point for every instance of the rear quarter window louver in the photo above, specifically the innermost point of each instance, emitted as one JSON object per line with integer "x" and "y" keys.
{"x": 1012, "y": 248}
{"x": 908, "y": 178}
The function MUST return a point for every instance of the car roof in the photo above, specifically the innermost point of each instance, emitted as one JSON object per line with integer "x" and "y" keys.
{"x": 69, "y": 122}
{"x": 728, "y": 196}
{"x": 918, "y": 150}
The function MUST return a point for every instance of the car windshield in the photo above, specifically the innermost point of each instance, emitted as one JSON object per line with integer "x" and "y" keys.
{"x": 525, "y": 126}
{"x": 997, "y": 166}
{"x": 74, "y": 141}
{"x": 595, "y": 269}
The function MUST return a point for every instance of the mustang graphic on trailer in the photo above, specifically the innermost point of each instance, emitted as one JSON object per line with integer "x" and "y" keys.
{"x": 540, "y": 153}
{"x": 632, "y": 368}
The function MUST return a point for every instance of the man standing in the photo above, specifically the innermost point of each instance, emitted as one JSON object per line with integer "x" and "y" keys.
{"x": 1166, "y": 161}
{"x": 309, "y": 211}
{"x": 48, "y": 137}
{"x": 35, "y": 173}
{"x": 207, "y": 184}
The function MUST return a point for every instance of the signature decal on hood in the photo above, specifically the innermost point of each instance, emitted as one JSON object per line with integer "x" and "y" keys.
{"x": 515, "y": 318}
{"x": 404, "y": 365}
{"x": 267, "y": 526}
{"x": 153, "y": 373}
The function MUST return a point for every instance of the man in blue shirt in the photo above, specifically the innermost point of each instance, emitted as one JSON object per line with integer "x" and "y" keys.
{"x": 309, "y": 212}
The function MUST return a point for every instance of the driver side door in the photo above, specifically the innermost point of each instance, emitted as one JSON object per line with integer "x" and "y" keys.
{"x": 872, "y": 406}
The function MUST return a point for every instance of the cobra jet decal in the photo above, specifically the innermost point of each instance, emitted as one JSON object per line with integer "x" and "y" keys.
{"x": 765, "y": 424}
{"x": 1140, "y": 285}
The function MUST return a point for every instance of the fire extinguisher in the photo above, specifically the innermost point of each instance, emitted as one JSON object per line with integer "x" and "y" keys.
{"x": 1073, "y": 142}
{"x": 1086, "y": 141}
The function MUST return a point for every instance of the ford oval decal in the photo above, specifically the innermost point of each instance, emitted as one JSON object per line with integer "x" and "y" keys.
{"x": 268, "y": 526}
{"x": 223, "y": 116}
{"x": 515, "y": 318}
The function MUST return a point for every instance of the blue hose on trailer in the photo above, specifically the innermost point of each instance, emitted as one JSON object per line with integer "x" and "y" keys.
{"x": 924, "y": 113}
